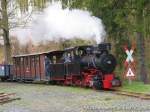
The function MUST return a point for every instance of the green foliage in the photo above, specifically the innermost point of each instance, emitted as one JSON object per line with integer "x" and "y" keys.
{"x": 23, "y": 5}
{"x": 39, "y": 4}
{"x": 36, "y": 4}
{"x": 119, "y": 51}
{"x": 75, "y": 42}
{"x": 135, "y": 87}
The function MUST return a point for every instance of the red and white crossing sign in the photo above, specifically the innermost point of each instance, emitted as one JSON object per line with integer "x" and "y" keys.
{"x": 129, "y": 62}
{"x": 129, "y": 53}
{"x": 130, "y": 72}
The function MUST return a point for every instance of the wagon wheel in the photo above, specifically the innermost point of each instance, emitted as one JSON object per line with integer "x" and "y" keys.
{"x": 3, "y": 79}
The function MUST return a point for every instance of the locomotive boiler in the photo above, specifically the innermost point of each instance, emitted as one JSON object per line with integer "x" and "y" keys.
{"x": 99, "y": 57}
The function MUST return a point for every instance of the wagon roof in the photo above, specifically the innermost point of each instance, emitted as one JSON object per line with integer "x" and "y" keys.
{"x": 53, "y": 52}
{"x": 77, "y": 47}
{"x": 41, "y": 53}
{"x": 84, "y": 46}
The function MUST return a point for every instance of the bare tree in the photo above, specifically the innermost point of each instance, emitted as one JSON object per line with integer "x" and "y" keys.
{"x": 4, "y": 25}
{"x": 8, "y": 20}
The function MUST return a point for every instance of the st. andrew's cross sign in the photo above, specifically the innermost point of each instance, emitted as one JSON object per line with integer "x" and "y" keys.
{"x": 129, "y": 62}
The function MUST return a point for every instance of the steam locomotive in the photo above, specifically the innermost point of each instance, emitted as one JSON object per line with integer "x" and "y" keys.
{"x": 86, "y": 66}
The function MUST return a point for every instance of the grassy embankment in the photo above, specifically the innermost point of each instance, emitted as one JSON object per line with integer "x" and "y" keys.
{"x": 138, "y": 87}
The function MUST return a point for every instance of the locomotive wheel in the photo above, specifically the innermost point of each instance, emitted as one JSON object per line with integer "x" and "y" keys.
{"x": 52, "y": 82}
{"x": 98, "y": 85}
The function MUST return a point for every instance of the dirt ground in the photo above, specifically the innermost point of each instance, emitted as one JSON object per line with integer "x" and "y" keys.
{"x": 48, "y": 98}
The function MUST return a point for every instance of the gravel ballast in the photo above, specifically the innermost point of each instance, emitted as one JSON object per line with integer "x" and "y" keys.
{"x": 48, "y": 98}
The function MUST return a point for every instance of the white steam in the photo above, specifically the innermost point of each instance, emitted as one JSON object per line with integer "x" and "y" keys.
{"x": 56, "y": 23}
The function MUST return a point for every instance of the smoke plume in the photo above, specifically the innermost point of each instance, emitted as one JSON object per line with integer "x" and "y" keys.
{"x": 56, "y": 23}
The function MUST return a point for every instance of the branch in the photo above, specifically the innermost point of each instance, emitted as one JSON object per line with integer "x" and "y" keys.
{"x": 23, "y": 23}
{"x": 29, "y": 17}
{"x": 12, "y": 11}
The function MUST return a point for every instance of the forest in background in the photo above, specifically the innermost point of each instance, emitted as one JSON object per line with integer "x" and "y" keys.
{"x": 126, "y": 21}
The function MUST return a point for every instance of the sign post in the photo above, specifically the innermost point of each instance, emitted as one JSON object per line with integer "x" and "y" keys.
{"x": 129, "y": 64}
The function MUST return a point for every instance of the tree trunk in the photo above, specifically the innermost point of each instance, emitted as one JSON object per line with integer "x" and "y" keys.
{"x": 5, "y": 28}
{"x": 7, "y": 46}
{"x": 140, "y": 44}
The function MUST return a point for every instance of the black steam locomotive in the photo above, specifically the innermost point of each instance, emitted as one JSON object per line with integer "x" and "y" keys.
{"x": 87, "y": 66}
{"x": 98, "y": 57}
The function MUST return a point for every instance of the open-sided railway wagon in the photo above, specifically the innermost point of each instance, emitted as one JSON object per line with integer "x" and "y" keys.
{"x": 32, "y": 67}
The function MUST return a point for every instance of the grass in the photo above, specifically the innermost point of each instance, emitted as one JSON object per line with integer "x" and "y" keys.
{"x": 136, "y": 87}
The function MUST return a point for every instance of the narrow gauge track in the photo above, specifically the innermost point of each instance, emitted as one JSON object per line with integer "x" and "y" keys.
{"x": 143, "y": 96}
